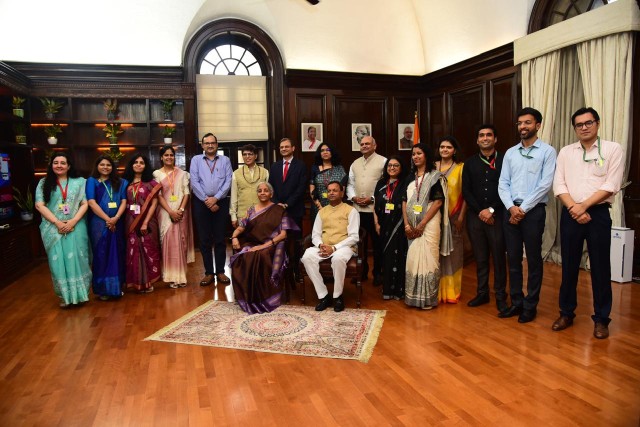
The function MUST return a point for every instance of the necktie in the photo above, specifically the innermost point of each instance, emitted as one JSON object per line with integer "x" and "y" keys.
{"x": 286, "y": 170}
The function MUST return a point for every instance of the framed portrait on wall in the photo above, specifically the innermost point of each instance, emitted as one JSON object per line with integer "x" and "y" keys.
{"x": 405, "y": 136}
{"x": 311, "y": 136}
{"x": 359, "y": 131}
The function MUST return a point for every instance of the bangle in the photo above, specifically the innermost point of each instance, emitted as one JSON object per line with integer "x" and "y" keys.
{"x": 273, "y": 243}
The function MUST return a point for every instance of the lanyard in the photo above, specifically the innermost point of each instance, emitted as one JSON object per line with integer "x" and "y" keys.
{"x": 64, "y": 192}
{"x": 135, "y": 189}
{"x": 211, "y": 168}
{"x": 109, "y": 191}
{"x": 528, "y": 153}
{"x": 418, "y": 187}
{"x": 391, "y": 188}
{"x": 491, "y": 164}
{"x": 171, "y": 177}
{"x": 599, "y": 159}
{"x": 245, "y": 177}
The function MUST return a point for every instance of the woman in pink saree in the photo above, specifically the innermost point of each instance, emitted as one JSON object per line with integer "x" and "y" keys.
{"x": 176, "y": 231}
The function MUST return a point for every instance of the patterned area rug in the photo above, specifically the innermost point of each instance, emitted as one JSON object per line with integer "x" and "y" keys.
{"x": 290, "y": 329}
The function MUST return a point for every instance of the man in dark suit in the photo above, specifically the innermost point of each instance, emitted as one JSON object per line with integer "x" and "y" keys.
{"x": 289, "y": 180}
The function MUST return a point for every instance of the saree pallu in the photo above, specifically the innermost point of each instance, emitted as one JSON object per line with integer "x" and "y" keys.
{"x": 108, "y": 246}
{"x": 69, "y": 255}
{"x": 422, "y": 281}
{"x": 143, "y": 252}
{"x": 321, "y": 179}
{"x": 451, "y": 265}
{"x": 257, "y": 276}
{"x": 392, "y": 238}
{"x": 176, "y": 238}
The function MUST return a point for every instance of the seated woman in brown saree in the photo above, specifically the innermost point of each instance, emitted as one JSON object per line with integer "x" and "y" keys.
{"x": 257, "y": 269}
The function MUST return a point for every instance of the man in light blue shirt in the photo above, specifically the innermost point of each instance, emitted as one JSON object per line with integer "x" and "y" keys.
{"x": 525, "y": 179}
{"x": 210, "y": 181}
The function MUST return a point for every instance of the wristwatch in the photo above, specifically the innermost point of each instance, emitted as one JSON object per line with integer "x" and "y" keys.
{"x": 491, "y": 210}
{"x": 181, "y": 209}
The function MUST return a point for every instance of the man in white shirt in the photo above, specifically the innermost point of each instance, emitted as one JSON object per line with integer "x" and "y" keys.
{"x": 335, "y": 235}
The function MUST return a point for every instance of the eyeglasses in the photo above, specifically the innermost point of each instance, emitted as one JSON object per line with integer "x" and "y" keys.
{"x": 325, "y": 150}
{"x": 247, "y": 154}
{"x": 586, "y": 125}
{"x": 393, "y": 165}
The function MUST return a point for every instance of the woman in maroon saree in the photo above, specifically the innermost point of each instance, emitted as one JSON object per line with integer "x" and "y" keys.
{"x": 143, "y": 266}
{"x": 257, "y": 268}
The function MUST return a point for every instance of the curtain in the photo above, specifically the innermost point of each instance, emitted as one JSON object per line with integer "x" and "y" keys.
{"x": 606, "y": 67}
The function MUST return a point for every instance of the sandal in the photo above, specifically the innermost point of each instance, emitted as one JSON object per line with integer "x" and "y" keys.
{"x": 182, "y": 285}
{"x": 173, "y": 285}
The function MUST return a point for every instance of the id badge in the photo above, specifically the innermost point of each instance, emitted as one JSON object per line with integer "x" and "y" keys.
{"x": 65, "y": 209}
{"x": 389, "y": 206}
{"x": 112, "y": 205}
{"x": 173, "y": 198}
{"x": 325, "y": 195}
{"x": 137, "y": 210}
{"x": 417, "y": 209}
{"x": 60, "y": 207}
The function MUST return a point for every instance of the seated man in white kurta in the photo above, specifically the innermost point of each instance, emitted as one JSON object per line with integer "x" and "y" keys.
{"x": 335, "y": 236}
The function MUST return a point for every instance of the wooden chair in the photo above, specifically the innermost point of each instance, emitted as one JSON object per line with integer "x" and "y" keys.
{"x": 353, "y": 273}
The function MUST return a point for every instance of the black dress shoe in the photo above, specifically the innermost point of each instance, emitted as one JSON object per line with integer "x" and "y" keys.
{"x": 479, "y": 299}
{"x": 527, "y": 316}
{"x": 502, "y": 306}
{"x": 338, "y": 304}
{"x": 324, "y": 303}
{"x": 601, "y": 331}
{"x": 514, "y": 310}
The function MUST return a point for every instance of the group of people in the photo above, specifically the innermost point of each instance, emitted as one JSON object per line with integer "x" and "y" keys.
{"x": 414, "y": 216}
{"x": 137, "y": 229}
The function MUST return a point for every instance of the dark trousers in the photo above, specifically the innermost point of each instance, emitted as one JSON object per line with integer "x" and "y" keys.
{"x": 488, "y": 239}
{"x": 528, "y": 232}
{"x": 597, "y": 233}
{"x": 212, "y": 228}
{"x": 366, "y": 222}
{"x": 294, "y": 246}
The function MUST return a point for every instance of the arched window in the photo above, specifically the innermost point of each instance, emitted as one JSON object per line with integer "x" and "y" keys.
{"x": 230, "y": 60}
{"x": 548, "y": 12}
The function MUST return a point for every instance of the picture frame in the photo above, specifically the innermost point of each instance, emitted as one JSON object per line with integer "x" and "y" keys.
{"x": 359, "y": 131}
{"x": 307, "y": 144}
{"x": 405, "y": 143}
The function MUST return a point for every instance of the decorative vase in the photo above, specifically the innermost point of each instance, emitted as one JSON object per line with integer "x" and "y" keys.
{"x": 21, "y": 139}
{"x": 111, "y": 115}
{"x": 52, "y": 140}
{"x": 113, "y": 140}
{"x": 168, "y": 140}
{"x": 18, "y": 112}
{"x": 50, "y": 116}
{"x": 26, "y": 216}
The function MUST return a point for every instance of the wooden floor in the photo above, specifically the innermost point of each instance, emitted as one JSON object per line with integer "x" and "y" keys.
{"x": 451, "y": 366}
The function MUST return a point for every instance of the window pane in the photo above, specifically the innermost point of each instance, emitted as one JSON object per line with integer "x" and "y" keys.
{"x": 212, "y": 56}
{"x": 255, "y": 70}
{"x": 206, "y": 68}
{"x": 249, "y": 58}
{"x": 242, "y": 70}
{"x": 221, "y": 70}
{"x": 237, "y": 51}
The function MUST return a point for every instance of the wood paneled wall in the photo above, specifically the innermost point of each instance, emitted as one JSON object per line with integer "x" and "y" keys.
{"x": 454, "y": 101}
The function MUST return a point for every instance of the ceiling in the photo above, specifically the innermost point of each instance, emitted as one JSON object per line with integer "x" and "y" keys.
{"x": 405, "y": 37}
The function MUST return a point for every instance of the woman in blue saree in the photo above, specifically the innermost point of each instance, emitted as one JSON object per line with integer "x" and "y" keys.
{"x": 60, "y": 199}
{"x": 107, "y": 198}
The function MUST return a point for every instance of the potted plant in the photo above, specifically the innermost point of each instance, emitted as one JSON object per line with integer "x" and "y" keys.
{"x": 25, "y": 203}
{"x": 52, "y": 133}
{"x": 20, "y": 130}
{"x": 167, "y": 107}
{"x": 111, "y": 131}
{"x": 51, "y": 107}
{"x": 167, "y": 133}
{"x": 111, "y": 107}
{"x": 17, "y": 102}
